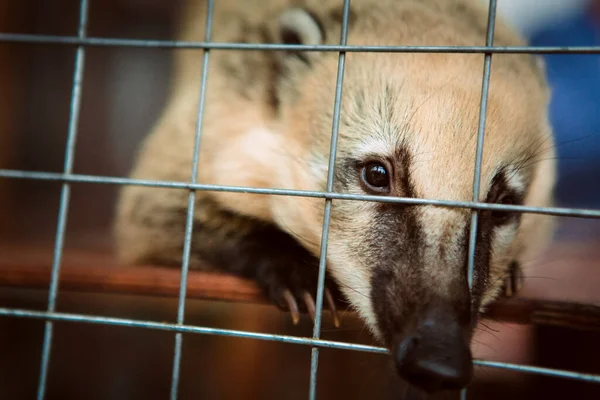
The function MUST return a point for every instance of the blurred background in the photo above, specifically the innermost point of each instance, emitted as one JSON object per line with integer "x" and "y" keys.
{"x": 123, "y": 92}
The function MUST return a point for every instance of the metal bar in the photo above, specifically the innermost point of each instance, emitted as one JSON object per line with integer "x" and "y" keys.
{"x": 480, "y": 139}
{"x": 176, "y": 44}
{"x": 171, "y": 327}
{"x": 558, "y": 373}
{"x": 189, "y": 224}
{"x": 64, "y": 197}
{"x": 80, "y": 178}
{"x": 131, "y": 323}
{"x": 487, "y": 66}
{"x": 314, "y": 357}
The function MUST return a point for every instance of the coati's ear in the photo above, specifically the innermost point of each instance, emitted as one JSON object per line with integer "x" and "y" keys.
{"x": 299, "y": 26}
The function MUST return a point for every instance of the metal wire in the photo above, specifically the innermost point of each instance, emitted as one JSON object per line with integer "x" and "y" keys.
{"x": 81, "y": 178}
{"x": 480, "y": 139}
{"x": 133, "y": 323}
{"x": 67, "y": 178}
{"x": 314, "y": 358}
{"x": 161, "y": 326}
{"x": 178, "y": 44}
{"x": 64, "y": 197}
{"x": 189, "y": 223}
{"x": 487, "y": 66}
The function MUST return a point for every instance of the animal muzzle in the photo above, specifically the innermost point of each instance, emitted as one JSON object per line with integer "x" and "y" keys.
{"x": 433, "y": 354}
{"x": 427, "y": 330}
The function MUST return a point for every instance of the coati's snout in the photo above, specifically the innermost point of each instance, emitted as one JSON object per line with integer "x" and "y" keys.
{"x": 434, "y": 353}
{"x": 428, "y": 335}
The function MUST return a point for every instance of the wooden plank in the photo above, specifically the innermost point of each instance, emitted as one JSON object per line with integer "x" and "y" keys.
{"x": 98, "y": 273}
{"x": 139, "y": 280}
{"x": 83, "y": 271}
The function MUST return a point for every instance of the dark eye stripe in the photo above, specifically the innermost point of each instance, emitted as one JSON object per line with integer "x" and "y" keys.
{"x": 501, "y": 193}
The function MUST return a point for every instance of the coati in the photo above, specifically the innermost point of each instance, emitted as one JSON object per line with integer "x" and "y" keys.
{"x": 408, "y": 127}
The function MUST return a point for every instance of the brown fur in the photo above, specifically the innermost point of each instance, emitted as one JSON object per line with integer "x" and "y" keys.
{"x": 268, "y": 125}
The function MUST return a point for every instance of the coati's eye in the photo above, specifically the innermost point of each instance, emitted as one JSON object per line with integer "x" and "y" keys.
{"x": 376, "y": 177}
{"x": 501, "y": 217}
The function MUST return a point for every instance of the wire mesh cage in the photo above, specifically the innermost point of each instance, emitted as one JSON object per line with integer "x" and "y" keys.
{"x": 67, "y": 179}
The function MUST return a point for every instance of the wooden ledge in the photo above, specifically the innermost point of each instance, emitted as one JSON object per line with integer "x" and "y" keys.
{"x": 98, "y": 273}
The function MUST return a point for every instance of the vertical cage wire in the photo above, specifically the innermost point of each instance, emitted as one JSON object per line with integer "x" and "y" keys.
{"x": 64, "y": 196}
{"x": 487, "y": 65}
{"x": 314, "y": 356}
{"x": 480, "y": 139}
{"x": 189, "y": 223}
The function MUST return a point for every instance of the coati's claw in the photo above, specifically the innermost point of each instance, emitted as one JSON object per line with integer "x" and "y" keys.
{"x": 292, "y": 306}
{"x": 292, "y": 288}
{"x": 332, "y": 308}
{"x": 514, "y": 281}
{"x": 310, "y": 305}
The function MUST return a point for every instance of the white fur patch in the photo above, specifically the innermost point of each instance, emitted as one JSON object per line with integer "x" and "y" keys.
{"x": 515, "y": 181}
{"x": 243, "y": 163}
{"x": 356, "y": 286}
{"x": 263, "y": 136}
{"x": 503, "y": 237}
{"x": 379, "y": 145}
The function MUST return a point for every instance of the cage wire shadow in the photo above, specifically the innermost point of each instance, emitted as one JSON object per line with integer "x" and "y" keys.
{"x": 67, "y": 177}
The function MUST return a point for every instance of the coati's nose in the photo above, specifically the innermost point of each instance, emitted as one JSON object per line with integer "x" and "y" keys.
{"x": 436, "y": 355}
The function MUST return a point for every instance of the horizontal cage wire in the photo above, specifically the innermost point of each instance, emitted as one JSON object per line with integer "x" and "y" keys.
{"x": 67, "y": 178}
{"x": 110, "y": 180}
{"x": 178, "y": 44}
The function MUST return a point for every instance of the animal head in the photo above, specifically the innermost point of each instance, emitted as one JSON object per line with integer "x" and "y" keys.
{"x": 408, "y": 127}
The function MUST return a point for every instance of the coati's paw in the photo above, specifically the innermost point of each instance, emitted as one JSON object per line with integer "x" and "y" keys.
{"x": 514, "y": 280}
{"x": 293, "y": 288}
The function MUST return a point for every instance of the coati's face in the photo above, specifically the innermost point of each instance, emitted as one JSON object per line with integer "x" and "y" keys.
{"x": 408, "y": 128}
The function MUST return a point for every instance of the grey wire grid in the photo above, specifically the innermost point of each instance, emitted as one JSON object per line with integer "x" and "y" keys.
{"x": 81, "y": 41}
